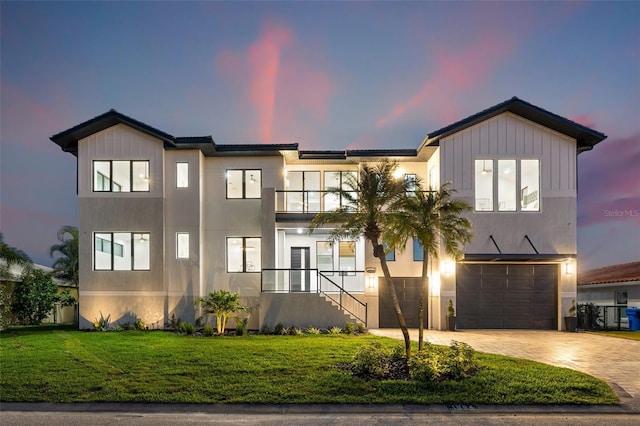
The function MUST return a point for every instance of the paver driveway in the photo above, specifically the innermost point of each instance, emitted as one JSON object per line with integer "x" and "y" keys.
{"x": 614, "y": 360}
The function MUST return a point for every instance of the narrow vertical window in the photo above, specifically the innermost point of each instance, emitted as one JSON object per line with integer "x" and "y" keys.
{"x": 484, "y": 185}
{"x": 418, "y": 251}
{"x": 101, "y": 176}
{"x": 410, "y": 181}
{"x": 390, "y": 252}
{"x": 182, "y": 245}
{"x": 182, "y": 175}
{"x": 506, "y": 185}
{"x": 347, "y": 256}
{"x": 530, "y": 185}
{"x": 324, "y": 255}
{"x": 140, "y": 176}
{"x": 141, "y": 252}
{"x": 102, "y": 252}
{"x": 253, "y": 183}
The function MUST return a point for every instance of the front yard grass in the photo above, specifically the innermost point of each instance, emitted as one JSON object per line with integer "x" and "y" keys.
{"x": 631, "y": 335}
{"x": 73, "y": 366}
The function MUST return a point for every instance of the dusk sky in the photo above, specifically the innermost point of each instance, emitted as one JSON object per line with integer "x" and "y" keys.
{"x": 325, "y": 75}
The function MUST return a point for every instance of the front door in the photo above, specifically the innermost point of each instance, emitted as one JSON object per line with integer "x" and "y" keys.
{"x": 300, "y": 260}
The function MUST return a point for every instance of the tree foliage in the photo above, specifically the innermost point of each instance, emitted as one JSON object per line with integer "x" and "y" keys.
{"x": 10, "y": 256}
{"x": 66, "y": 265}
{"x": 369, "y": 204}
{"x": 34, "y": 297}
{"x": 222, "y": 304}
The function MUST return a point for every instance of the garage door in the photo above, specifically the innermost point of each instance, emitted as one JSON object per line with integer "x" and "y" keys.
{"x": 408, "y": 291}
{"x": 506, "y": 296}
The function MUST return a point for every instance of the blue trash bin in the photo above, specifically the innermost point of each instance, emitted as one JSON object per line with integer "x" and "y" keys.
{"x": 634, "y": 318}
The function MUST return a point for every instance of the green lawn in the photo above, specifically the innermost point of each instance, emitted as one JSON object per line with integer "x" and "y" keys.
{"x": 72, "y": 366}
{"x": 632, "y": 335}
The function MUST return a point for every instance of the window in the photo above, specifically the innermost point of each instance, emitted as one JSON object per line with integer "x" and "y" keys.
{"x": 182, "y": 175}
{"x": 410, "y": 181}
{"x": 418, "y": 251}
{"x": 244, "y": 183}
{"x": 621, "y": 301}
{"x": 182, "y": 245}
{"x": 303, "y": 191}
{"x": 507, "y": 185}
{"x": 243, "y": 254}
{"x": 347, "y": 256}
{"x": 324, "y": 256}
{"x": 346, "y": 181}
{"x": 390, "y": 253}
{"x": 120, "y": 176}
{"x": 121, "y": 251}
{"x": 484, "y": 185}
{"x": 511, "y": 174}
{"x": 530, "y": 185}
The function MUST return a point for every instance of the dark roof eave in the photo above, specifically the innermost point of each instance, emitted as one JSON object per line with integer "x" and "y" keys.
{"x": 382, "y": 153}
{"x": 517, "y": 257}
{"x": 586, "y": 138}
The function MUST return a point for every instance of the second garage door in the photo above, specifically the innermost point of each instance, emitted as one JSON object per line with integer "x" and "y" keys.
{"x": 506, "y": 296}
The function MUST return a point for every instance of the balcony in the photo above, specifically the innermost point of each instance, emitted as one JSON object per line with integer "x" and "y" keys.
{"x": 304, "y": 205}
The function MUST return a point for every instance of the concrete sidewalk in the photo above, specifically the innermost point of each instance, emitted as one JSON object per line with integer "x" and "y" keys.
{"x": 615, "y": 360}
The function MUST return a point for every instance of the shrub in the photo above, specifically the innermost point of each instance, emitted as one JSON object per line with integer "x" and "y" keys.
{"x": 221, "y": 304}
{"x": 174, "y": 323}
{"x": 349, "y": 327}
{"x": 361, "y": 328}
{"x": 34, "y": 297}
{"x": 241, "y": 326}
{"x": 265, "y": 329}
{"x": 208, "y": 330}
{"x": 294, "y": 331}
{"x": 279, "y": 329}
{"x": 139, "y": 325}
{"x": 102, "y": 324}
{"x": 187, "y": 328}
{"x": 312, "y": 330}
{"x": 335, "y": 330}
{"x": 370, "y": 361}
{"x": 433, "y": 363}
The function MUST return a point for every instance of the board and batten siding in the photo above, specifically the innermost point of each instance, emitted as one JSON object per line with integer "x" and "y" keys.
{"x": 120, "y": 142}
{"x": 510, "y": 136}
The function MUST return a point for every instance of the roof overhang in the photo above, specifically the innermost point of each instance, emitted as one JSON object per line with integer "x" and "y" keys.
{"x": 517, "y": 257}
{"x": 585, "y": 137}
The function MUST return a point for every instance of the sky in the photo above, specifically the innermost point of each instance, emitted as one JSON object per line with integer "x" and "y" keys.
{"x": 326, "y": 75}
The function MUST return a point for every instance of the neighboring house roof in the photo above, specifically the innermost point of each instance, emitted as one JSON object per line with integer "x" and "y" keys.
{"x": 624, "y": 272}
{"x": 585, "y": 137}
{"x": 16, "y": 271}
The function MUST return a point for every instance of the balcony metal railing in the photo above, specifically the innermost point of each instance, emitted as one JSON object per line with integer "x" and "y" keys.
{"x": 309, "y": 201}
{"x": 338, "y": 286}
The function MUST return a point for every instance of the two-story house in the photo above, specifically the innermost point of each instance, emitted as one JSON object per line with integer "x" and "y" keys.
{"x": 164, "y": 220}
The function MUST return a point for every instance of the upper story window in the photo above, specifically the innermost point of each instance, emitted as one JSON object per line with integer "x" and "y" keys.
{"x": 182, "y": 175}
{"x": 510, "y": 175}
{"x": 410, "y": 181}
{"x": 121, "y": 176}
{"x": 244, "y": 183}
{"x": 121, "y": 251}
{"x": 418, "y": 250}
{"x": 345, "y": 181}
{"x": 182, "y": 245}
{"x": 303, "y": 191}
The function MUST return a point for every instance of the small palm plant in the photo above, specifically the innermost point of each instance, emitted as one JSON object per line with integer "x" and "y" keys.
{"x": 222, "y": 304}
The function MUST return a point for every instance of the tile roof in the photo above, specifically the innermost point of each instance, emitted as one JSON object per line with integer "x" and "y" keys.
{"x": 624, "y": 272}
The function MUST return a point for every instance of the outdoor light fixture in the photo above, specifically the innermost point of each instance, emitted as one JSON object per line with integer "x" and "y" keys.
{"x": 398, "y": 173}
{"x": 569, "y": 268}
{"x": 447, "y": 267}
{"x": 299, "y": 231}
{"x": 371, "y": 282}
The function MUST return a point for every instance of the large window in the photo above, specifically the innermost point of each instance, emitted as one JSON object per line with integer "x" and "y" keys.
{"x": 303, "y": 191}
{"x": 182, "y": 245}
{"x": 121, "y": 251}
{"x": 244, "y": 183}
{"x": 182, "y": 175}
{"x": 517, "y": 182}
{"x": 324, "y": 255}
{"x": 339, "y": 180}
{"x": 243, "y": 254}
{"x": 484, "y": 184}
{"x": 347, "y": 256}
{"x": 120, "y": 176}
{"x": 530, "y": 185}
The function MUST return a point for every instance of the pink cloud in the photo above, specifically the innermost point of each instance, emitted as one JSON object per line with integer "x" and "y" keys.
{"x": 585, "y": 119}
{"x": 278, "y": 81}
{"x": 454, "y": 75}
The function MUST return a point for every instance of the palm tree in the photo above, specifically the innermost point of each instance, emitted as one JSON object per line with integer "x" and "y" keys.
{"x": 368, "y": 204}
{"x": 11, "y": 256}
{"x": 66, "y": 266}
{"x": 432, "y": 217}
{"x": 222, "y": 304}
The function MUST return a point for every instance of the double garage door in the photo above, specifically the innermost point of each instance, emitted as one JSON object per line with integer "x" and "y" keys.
{"x": 506, "y": 296}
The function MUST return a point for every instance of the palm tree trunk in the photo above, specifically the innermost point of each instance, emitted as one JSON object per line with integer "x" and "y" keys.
{"x": 378, "y": 251}
{"x": 421, "y": 302}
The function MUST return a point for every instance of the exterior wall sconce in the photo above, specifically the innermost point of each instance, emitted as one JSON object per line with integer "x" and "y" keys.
{"x": 371, "y": 282}
{"x": 447, "y": 267}
{"x": 569, "y": 268}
